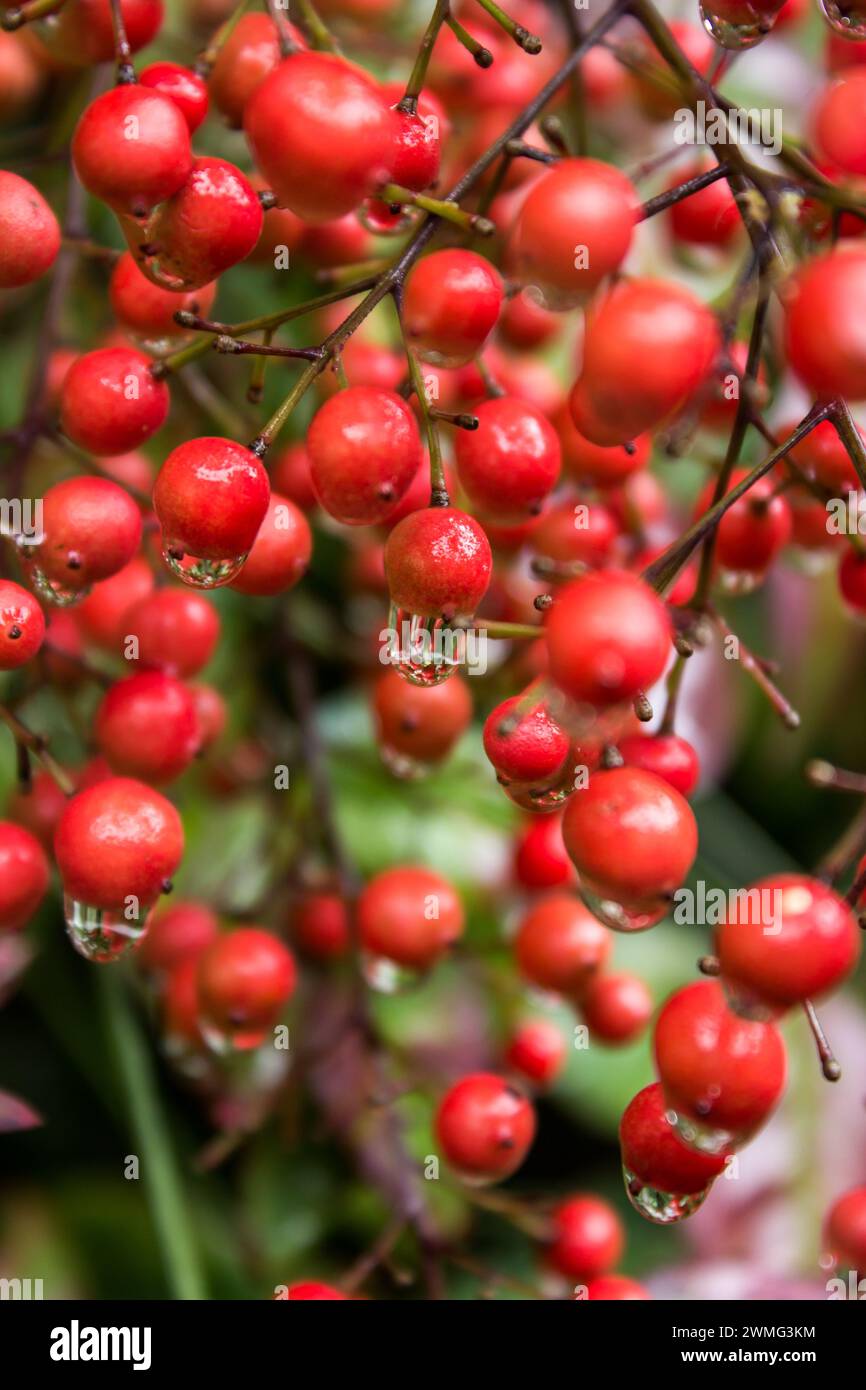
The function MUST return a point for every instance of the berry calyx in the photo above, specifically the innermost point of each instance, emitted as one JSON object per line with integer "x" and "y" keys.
{"x": 561, "y": 946}
{"x": 29, "y": 232}
{"x": 245, "y": 978}
{"x": 409, "y": 916}
{"x": 364, "y": 450}
{"x": 608, "y": 636}
{"x": 485, "y": 1126}
{"x": 438, "y": 563}
{"x": 509, "y": 464}
{"x": 118, "y": 840}
{"x": 451, "y": 303}
{"x": 147, "y": 727}
{"x": 23, "y": 876}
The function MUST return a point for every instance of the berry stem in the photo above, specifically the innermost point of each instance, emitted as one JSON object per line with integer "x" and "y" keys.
{"x": 20, "y": 15}
{"x": 122, "y": 50}
{"x": 508, "y": 631}
{"x": 530, "y": 43}
{"x": 482, "y": 55}
{"x": 447, "y": 210}
{"x": 169, "y": 1207}
{"x": 666, "y": 200}
{"x": 239, "y": 347}
{"x": 438, "y": 485}
{"x": 829, "y": 1066}
{"x": 417, "y": 77}
{"x": 205, "y": 61}
{"x": 756, "y": 668}
{"x": 316, "y": 30}
{"x": 824, "y": 774}
{"x": 288, "y": 45}
{"x": 36, "y": 744}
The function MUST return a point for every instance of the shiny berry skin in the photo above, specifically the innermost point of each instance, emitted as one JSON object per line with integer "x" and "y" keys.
{"x": 653, "y": 1151}
{"x": 511, "y": 462}
{"x": 573, "y": 229}
{"x": 281, "y": 551}
{"x": 540, "y": 858}
{"x": 604, "y": 466}
{"x": 608, "y": 637}
{"x": 210, "y": 224}
{"x": 147, "y": 727}
{"x": 182, "y": 86}
{"x": 451, "y": 303}
{"x": 418, "y": 141}
{"x": 131, "y": 148}
{"x": 648, "y": 346}
{"x": 23, "y": 876}
{"x": 438, "y": 563}
{"x": 421, "y": 723}
{"x": 110, "y": 402}
{"x": 616, "y": 1008}
{"x": 537, "y": 1050}
{"x": 22, "y": 625}
{"x": 534, "y": 750}
{"x": 176, "y": 933}
{"x": 102, "y": 616}
{"x": 569, "y": 532}
{"x": 828, "y": 289}
{"x": 718, "y": 1071}
{"x": 148, "y": 309}
{"x": 320, "y": 925}
{"x": 290, "y": 477}
{"x": 524, "y": 323}
{"x": 244, "y": 980}
{"x": 91, "y": 528}
{"x": 177, "y": 631}
{"x": 824, "y": 457}
{"x": 249, "y": 55}
{"x": 118, "y": 839}
{"x": 709, "y": 217}
{"x": 314, "y": 1292}
{"x": 615, "y": 1288}
{"x": 838, "y": 122}
{"x": 29, "y": 232}
{"x": 211, "y": 712}
{"x": 211, "y": 496}
{"x": 410, "y": 916}
{"x": 667, "y": 755}
{"x": 322, "y": 134}
{"x": 84, "y": 33}
{"x": 588, "y": 1238}
{"x": 561, "y": 946}
{"x": 845, "y": 1229}
{"x": 632, "y": 837}
{"x": 364, "y": 449}
{"x": 754, "y": 528}
{"x": 485, "y": 1127}
{"x": 787, "y": 939}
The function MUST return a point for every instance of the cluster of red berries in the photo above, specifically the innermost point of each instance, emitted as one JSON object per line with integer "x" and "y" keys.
{"x": 555, "y": 513}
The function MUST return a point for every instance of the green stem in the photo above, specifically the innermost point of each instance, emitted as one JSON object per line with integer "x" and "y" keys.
{"x": 438, "y": 486}
{"x": 417, "y": 77}
{"x": 168, "y": 1204}
{"x": 530, "y": 43}
{"x": 317, "y": 32}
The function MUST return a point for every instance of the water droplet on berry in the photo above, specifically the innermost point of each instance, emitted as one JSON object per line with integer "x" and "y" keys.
{"x": 401, "y": 765}
{"x": 386, "y": 976}
{"x": 539, "y": 798}
{"x": 427, "y": 650}
{"x": 102, "y": 935}
{"x": 738, "y": 583}
{"x": 748, "y": 1005}
{"x": 199, "y": 573}
{"x": 51, "y": 590}
{"x": 847, "y": 20}
{"x": 751, "y": 29}
{"x": 662, "y": 1208}
{"x": 620, "y": 916}
{"x": 236, "y": 1037}
{"x": 381, "y": 219}
{"x": 701, "y": 1137}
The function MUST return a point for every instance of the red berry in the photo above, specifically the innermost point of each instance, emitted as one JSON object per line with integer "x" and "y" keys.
{"x": 249, "y": 55}
{"x": 314, "y": 1292}
{"x": 617, "y": 1008}
{"x": 134, "y": 471}
{"x": 23, "y": 876}
{"x": 537, "y": 1050}
{"x": 110, "y": 402}
{"x": 103, "y": 615}
{"x": 824, "y": 457}
{"x": 183, "y": 86}
{"x": 244, "y": 980}
{"x": 524, "y": 323}
{"x": 561, "y": 946}
{"x": 210, "y": 224}
{"x": 787, "y": 938}
{"x": 615, "y": 1287}
{"x": 38, "y": 807}
{"x": 22, "y": 625}
{"x": 211, "y": 713}
{"x": 648, "y": 345}
{"x": 118, "y": 840}
{"x": 364, "y": 450}
{"x": 709, "y": 217}
{"x": 632, "y": 838}
{"x": 336, "y": 242}
{"x": 176, "y": 631}
{"x": 588, "y": 1238}
{"x": 320, "y": 925}
{"x": 176, "y": 933}
{"x": 420, "y": 723}
{"x": 322, "y": 134}
{"x": 573, "y": 229}
{"x": 653, "y": 1152}
{"x": 29, "y": 232}
{"x": 596, "y": 463}
{"x": 753, "y": 530}
{"x": 511, "y": 462}
{"x": 290, "y": 477}
{"x": 839, "y": 121}
{"x": 667, "y": 755}
{"x": 540, "y": 858}
{"x": 147, "y": 727}
{"x": 91, "y": 529}
{"x": 410, "y": 916}
{"x": 576, "y": 533}
{"x": 438, "y": 563}
{"x": 533, "y": 751}
{"x": 131, "y": 148}
{"x": 721, "y": 1074}
{"x": 852, "y": 579}
{"x": 718, "y": 396}
{"x": 21, "y": 75}
{"x": 609, "y": 637}
{"x": 450, "y": 306}
{"x": 828, "y": 289}
{"x": 281, "y": 551}
{"x": 147, "y": 309}
{"x": 845, "y": 1229}
{"x": 485, "y": 1127}
{"x": 418, "y": 141}
{"x": 180, "y": 1007}
{"x": 211, "y": 497}
{"x": 83, "y": 31}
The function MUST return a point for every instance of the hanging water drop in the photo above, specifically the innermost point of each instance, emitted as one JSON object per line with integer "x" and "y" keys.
{"x": 662, "y": 1208}
{"x": 427, "y": 651}
{"x": 101, "y": 934}
{"x": 200, "y": 573}
{"x": 847, "y": 20}
{"x": 737, "y": 24}
{"x": 387, "y": 976}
